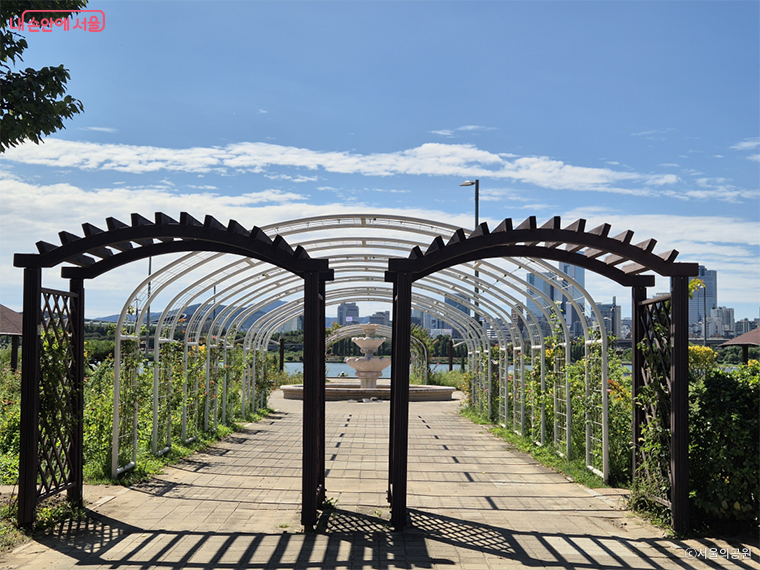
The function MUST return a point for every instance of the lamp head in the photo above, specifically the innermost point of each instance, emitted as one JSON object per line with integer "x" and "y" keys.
{"x": 467, "y": 183}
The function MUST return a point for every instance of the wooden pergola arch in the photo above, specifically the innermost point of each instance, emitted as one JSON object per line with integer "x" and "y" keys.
{"x": 51, "y": 447}
{"x": 614, "y": 257}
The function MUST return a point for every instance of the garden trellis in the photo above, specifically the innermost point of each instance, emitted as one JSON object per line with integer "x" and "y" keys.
{"x": 478, "y": 272}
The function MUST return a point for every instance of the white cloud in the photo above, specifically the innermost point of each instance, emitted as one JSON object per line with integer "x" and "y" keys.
{"x": 430, "y": 159}
{"x": 655, "y": 134}
{"x": 292, "y": 178}
{"x": 747, "y": 144}
{"x": 663, "y": 179}
{"x": 99, "y": 129}
{"x": 465, "y": 128}
{"x": 755, "y": 157}
{"x": 728, "y": 244}
{"x": 263, "y": 111}
{"x": 499, "y": 195}
{"x": 475, "y": 128}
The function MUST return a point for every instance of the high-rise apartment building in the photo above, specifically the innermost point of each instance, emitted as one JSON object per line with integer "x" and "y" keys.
{"x": 721, "y": 322}
{"x": 705, "y": 298}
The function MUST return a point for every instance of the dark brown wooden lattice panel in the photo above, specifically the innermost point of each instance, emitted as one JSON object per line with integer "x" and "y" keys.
{"x": 57, "y": 394}
{"x": 654, "y": 469}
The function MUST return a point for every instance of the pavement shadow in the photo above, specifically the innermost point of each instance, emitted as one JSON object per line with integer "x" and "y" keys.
{"x": 348, "y": 539}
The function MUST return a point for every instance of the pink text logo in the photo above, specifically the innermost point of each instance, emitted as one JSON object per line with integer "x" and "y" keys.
{"x": 86, "y": 20}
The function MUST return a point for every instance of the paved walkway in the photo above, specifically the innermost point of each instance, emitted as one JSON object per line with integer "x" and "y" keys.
{"x": 474, "y": 504}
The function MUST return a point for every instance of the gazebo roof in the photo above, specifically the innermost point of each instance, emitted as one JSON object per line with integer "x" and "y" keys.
{"x": 10, "y": 322}
{"x": 752, "y": 338}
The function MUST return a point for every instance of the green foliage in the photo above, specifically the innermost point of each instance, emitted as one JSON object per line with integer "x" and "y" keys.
{"x": 98, "y": 420}
{"x": 33, "y": 102}
{"x": 455, "y": 378}
{"x": 97, "y": 351}
{"x": 694, "y": 285}
{"x": 10, "y": 423}
{"x": 724, "y": 452}
{"x": 421, "y": 358}
{"x": 732, "y": 355}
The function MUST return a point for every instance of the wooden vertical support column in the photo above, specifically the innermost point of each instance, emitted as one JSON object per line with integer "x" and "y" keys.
{"x": 679, "y": 402}
{"x": 76, "y": 453}
{"x": 311, "y": 382}
{"x": 30, "y": 396}
{"x": 321, "y": 393}
{"x": 282, "y": 354}
{"x": 392, "y": 439}
{"x": 14, "y": 353}
{"x": 400, "y": 402}
{"x": 638, "y": 294}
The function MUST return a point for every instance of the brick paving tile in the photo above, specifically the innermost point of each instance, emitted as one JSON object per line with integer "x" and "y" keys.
{"x": 473, "y": 504}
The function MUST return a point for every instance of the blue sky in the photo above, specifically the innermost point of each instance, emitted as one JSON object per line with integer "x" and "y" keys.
{"x": 643, "y": 114}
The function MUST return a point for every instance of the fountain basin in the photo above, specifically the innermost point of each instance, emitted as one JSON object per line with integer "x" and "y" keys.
{"x": 368, "y": 344}
{"x": 353, "y": 391}
{"x": 363, "y": 364}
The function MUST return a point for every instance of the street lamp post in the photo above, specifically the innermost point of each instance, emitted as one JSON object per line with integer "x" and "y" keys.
{"x": 476, "y": 183}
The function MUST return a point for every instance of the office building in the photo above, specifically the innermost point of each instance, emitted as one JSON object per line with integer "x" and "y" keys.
{"x": 612, "y": 315}
{"x": 348, "y": 313}
{"x": 705, "y": 298}
{"x": 557, "y": 290}
{"x": 453, "y": 302}
{"x": 380, "y": 318}
{"x": 572, "y": 317}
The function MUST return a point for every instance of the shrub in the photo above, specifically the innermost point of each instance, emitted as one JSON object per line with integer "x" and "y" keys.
{"x": 724, "y": 452}
{"x": 10, "y": 425}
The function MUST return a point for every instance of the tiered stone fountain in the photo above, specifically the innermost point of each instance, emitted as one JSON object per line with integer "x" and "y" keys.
{"x": 368, "y": 367}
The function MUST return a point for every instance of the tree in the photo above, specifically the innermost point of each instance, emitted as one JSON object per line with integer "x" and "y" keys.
{"x": 33, "y": 102}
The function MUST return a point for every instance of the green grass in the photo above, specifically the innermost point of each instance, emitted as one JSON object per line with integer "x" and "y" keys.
{"x": 575, "y": 469}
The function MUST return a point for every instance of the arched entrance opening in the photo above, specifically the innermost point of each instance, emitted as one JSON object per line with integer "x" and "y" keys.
{"x": 51, "y": 457}
{"x": 659, "y": 340}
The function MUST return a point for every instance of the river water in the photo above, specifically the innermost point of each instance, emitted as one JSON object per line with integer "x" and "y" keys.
{"x": 334, "y": 369}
